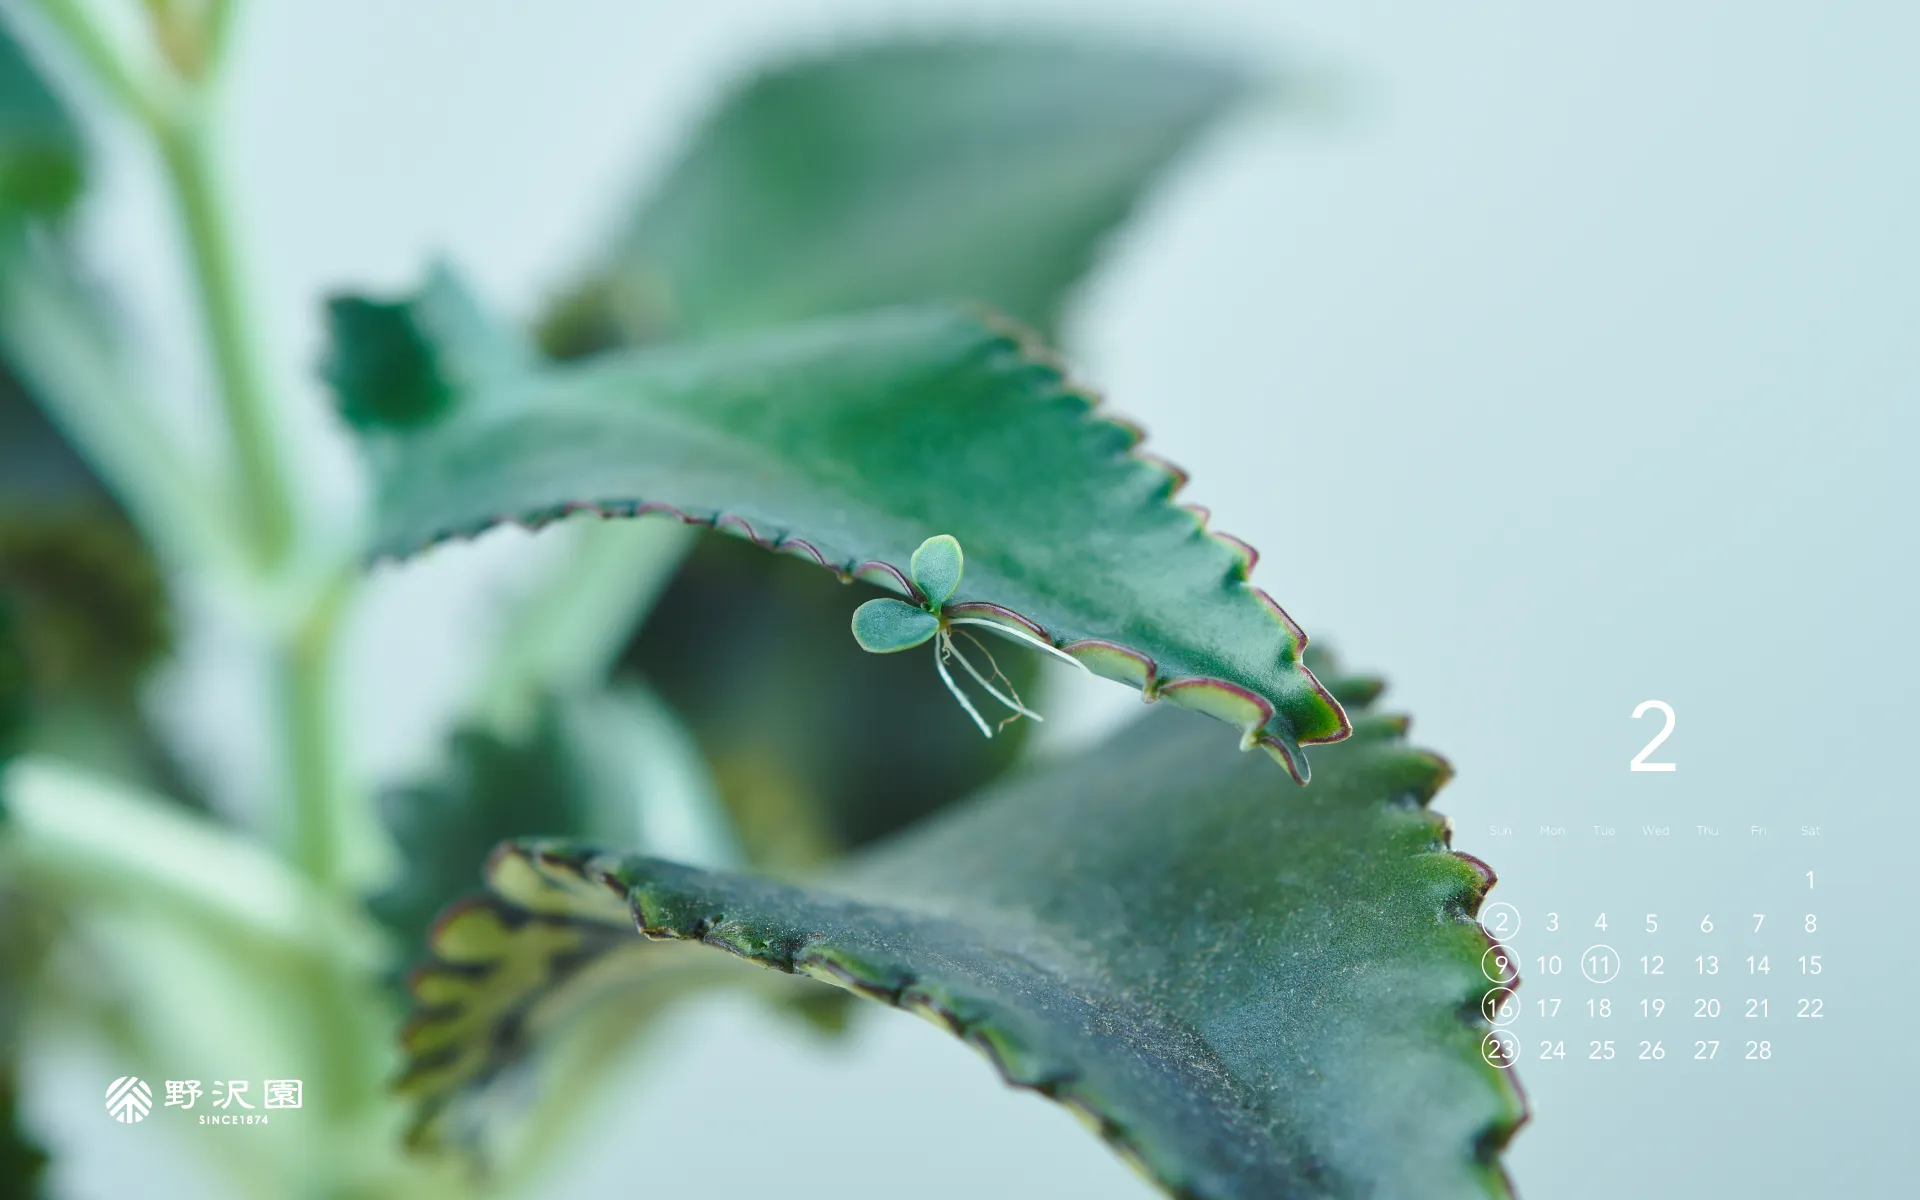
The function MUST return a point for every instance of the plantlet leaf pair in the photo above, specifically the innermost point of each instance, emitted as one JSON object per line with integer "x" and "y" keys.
{"x": 888, "y": 626}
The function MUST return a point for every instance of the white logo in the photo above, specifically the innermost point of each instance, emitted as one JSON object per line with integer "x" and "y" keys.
{"x": 129, "y": 1100}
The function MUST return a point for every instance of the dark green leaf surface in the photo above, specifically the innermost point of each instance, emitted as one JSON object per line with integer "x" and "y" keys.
{"x": 989, "y": 171}
{"x": 575, "y": 768}
{"x": 500, "y": 975}
{"x": 42, "y": 162}
{"x": 1250, "y": 992}
{"x": 852, "y": 441}
{"x": 537, "y": 963}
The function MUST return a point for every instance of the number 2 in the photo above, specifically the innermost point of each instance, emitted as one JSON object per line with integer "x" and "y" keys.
{"x": 1640, "y": 762}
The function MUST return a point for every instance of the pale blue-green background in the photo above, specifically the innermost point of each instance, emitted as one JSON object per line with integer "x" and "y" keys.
{"x": 1556, "y": 356}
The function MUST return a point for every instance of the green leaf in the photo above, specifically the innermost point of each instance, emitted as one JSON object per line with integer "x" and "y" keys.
{"x": 986, "y": 170}
{"x": 937, "y": 567}
{"x": 401, "y": 365}
{"x": 886, "y": 625}
{"x": 496, "y": 979}
{"x": 224, "y": 937}
{"x": 881, "y": 174}
{"x": 391, "y": 377}
{"x": 81, "y": 837}
{"x": 851, "y": 442}
{"x": 1247, "y": 993}
{"x": 42, "y": 160}
{"x": 522, "y": 969}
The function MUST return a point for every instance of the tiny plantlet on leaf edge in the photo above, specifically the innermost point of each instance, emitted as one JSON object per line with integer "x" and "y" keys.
{"x": 888, "y": 626}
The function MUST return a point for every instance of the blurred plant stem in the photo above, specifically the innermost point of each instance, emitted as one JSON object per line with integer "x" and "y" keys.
{"x": 173, "y": 96}
{"x": 141, "y": 93}
{"x": 185, "y": 144}
{"x": 569, "y": 630}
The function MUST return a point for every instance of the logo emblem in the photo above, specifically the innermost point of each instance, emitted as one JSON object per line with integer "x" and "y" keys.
{"x": 129, "y": 1100}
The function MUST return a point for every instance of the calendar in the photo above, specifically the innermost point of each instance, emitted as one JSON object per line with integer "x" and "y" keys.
{"x": 1679, "y": 971}
{"x": 1665, "y": 980}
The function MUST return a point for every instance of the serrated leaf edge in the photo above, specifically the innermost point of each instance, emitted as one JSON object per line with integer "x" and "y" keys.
{"x": 1228, "y": 701}
{"x": 1016, "y": 1063}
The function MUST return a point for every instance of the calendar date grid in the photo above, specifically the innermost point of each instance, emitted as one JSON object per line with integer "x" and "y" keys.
{"x": 1655, "y": 984}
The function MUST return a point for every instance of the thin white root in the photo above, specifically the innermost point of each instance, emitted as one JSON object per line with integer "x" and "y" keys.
{"x": 939, "y": 661}
{"x": 1020, "y": 635}
{"x": 1013, "y": 702}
